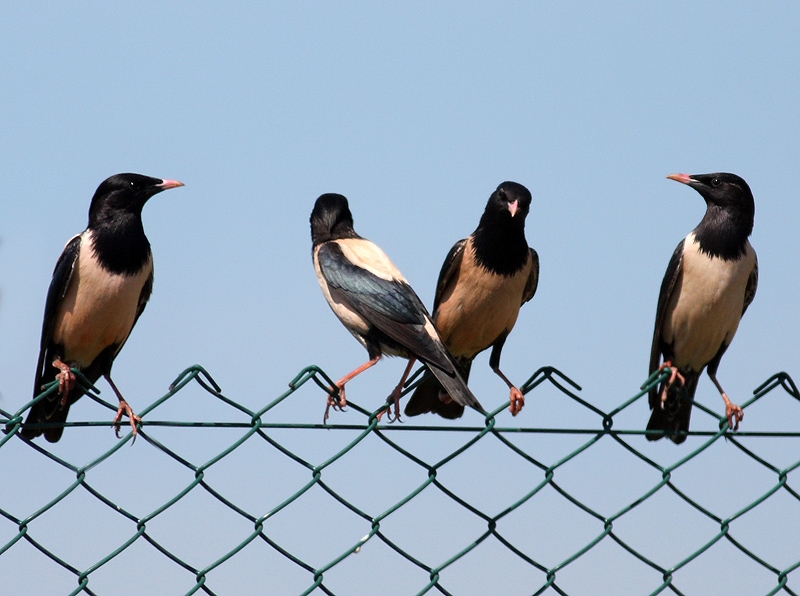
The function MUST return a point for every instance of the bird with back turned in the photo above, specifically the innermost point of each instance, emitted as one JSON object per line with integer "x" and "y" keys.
{"x": 376, "y": 304}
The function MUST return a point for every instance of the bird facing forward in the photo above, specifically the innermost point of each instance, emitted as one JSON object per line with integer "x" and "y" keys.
{"x": 710, "y": 281}
{"x": 376, "y": 304}
{"x": 100, "y": 286}
{"x": 484, "y": 281}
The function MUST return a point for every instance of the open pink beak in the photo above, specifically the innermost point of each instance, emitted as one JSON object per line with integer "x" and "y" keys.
{"x": 513, "y": 208}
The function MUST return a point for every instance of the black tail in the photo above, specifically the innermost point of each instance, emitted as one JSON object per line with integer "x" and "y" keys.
{"x": 426, "y": 396}
{"x": 674, "y": 414}
{"x": 46, "y": 411}
{"x": 426, "y": 399}
{"x": 53, "y": 409}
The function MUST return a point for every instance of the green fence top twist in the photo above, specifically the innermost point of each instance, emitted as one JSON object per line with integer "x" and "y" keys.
{"x": 254, "y": 502}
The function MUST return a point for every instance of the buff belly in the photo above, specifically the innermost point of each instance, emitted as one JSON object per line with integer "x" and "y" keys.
{"x": 98, "y": 310}
{"x": 706, "y": 308}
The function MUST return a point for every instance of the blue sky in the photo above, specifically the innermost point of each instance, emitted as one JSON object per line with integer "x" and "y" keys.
{"x": 415, "y": 113}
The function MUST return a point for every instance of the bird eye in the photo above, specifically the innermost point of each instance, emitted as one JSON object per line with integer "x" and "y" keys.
{"x": 715, "y": 182}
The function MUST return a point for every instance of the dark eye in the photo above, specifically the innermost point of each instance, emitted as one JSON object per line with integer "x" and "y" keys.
{"x": 715, "y": 182}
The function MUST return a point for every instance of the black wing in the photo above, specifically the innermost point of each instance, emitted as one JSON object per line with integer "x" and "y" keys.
{"x": 750, "y": 289}
{"x": 62, "y": 274}
{"x": 533, "y": 278}
{"x": 393, "y": 308}
{"x": 393, "y": 299}
{"x": 390, "y": 305}
{"x": 673, "y": 273}
{"x": 47, "y": 410}
{"x": 451, "y": 265}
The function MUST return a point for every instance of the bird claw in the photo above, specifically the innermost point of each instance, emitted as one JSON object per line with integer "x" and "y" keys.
{"x": 124, "y": 408}
{"x": 675, "y": 375}
{"x": 517, "y": 401}
{"x": 337, "y": 404}
{"x": 394, "y": 398}
{"x": 734, "y": 413}
{"x": 387, "y": 409}
{"x": 66, "y": 380}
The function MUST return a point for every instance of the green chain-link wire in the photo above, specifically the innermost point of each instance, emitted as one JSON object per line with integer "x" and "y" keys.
{"x": 255, "y": 428}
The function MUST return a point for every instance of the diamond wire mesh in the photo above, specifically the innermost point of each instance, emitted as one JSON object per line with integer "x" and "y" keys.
{"x": 541, "y": 486}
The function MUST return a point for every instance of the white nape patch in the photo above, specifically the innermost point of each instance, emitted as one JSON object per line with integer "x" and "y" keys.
{"x": 368, "y": 255}
{"x": 706, "y": 305}
{"x": 354, "y": 322}
{"x": 99, "y": 308}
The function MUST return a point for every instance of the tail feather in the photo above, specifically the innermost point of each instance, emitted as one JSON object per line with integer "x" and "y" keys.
{"x": 456, "y": 388}
{"x": 426, "y": 397}
{"x": 674, "y": 414}
{"x": 46, "y": 411}
{"x": 53, "y": 409}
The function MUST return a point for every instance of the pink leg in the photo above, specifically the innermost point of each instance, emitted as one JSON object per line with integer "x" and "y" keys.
{"x": 734, "y": 413}
{"x": 342, "y": 401}
{"x": 394, "y": 396}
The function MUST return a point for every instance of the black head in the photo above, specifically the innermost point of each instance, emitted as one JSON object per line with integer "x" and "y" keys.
{"x": 511, "y": 202}
{"x": 331, "y": 219}
{"x": 730, "y": 211}
{"x": 125, "y": 194}
{"x": 499, "y": 240}
{"x": 724, "y": 190}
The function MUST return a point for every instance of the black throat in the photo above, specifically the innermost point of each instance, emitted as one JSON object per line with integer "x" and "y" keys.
{"x": 120, "y": 244}
{"x": 500, "y": 244}
{"x": 723, "y": 234}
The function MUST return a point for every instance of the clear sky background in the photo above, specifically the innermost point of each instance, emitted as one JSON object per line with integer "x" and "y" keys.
{"x": 416, "y": 114}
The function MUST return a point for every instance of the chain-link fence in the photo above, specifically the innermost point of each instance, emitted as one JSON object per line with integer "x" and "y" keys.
{"x": 253, "y": 502}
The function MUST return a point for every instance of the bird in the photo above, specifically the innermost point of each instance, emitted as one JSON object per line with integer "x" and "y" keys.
{"x": 710, "y": 281}
{"x": 376, "y": 304}
{"x": 483, "y": 283}
{"x": 100, "y": 286}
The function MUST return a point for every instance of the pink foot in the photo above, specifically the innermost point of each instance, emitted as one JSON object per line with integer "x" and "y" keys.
{"x": 394, "y": 398}
{"x": 336, "y": 404}
{"x": 734, "y": 413}
{"x": 676, "y": 375}
{"x": 517, "y": 401}
{"x": 66, "y": 380}
{"x": 124, "y": 408}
